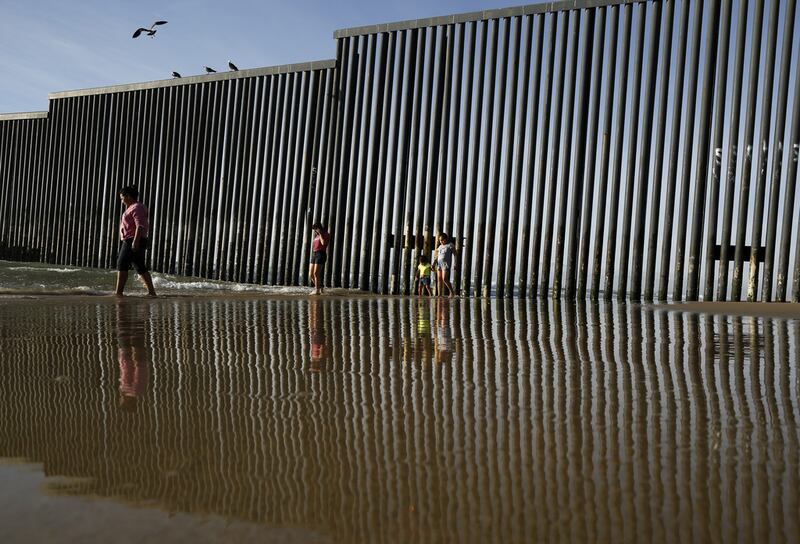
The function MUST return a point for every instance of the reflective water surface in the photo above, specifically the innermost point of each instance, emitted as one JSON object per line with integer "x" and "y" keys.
{"x": 402, "y": 420}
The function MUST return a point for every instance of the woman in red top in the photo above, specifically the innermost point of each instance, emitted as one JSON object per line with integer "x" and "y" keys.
{"x": 319, "y": 255}
{"x": 134, "y": 227}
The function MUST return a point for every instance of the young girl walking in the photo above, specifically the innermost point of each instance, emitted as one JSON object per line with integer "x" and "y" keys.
{"x": 444, "y": 263}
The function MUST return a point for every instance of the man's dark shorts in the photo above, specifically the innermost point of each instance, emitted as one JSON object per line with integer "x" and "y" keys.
{"x": 128, "y": 257}
{"x": 319, "y": 257}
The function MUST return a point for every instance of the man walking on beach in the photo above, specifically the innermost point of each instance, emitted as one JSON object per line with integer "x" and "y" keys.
{"x": 134, "y": 229}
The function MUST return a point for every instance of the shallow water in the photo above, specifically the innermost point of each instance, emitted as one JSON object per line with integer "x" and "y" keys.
{"x": 24, "y": 279}
{"x": 394, "y": 420}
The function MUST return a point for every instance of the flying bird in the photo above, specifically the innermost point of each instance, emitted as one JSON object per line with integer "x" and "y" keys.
{"x": 176, "y": 75}
{"x": 210, "y": 70}
{"x": 232, "y": 66}
{"x": 149, "y": 31}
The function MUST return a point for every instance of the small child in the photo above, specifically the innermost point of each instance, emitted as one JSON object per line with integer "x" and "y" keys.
{"x": 424, "y": 275}
{"x": 444, "y": 263}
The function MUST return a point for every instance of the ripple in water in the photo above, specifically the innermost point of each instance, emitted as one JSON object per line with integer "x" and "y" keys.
{"x": 404, "y": 420}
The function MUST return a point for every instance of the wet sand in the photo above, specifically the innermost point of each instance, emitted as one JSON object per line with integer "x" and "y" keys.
{"x": 394, "y": 419}
{"x": 33, "y": 515}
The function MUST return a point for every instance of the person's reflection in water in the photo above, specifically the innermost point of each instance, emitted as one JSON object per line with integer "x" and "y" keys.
{"x": 444, "y": 332}
{"x": 316, "y": 326}
{"x": 418, "y": 347}
{"x": 132, "y": 352}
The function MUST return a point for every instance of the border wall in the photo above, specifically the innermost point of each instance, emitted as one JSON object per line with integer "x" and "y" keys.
{"x": 225, "y": 163}
{"x": 639, "y": 149}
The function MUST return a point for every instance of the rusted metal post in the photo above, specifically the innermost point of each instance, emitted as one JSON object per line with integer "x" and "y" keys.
{"x": 616, "y": 166}
{"x": 777, "y": 154}
{"x": 493, "y": 181}
{"x": 733, "y": 154}
{"x": 749, "y": 146}
{"x": 578, "y": 264}
{"x": 644, "y": 184}
{"x": 608, "y": 109}
{"x": 688, "y": 151}
{"x": 537, "y": 176}
{"x": 788, "y": 204}
{"x": 564, "y": 284}
{"x": 523, "y": 219}
{"x": 554, "y": 152}
{"x": 716, "y": 41}
{"x": 761, "y": 172}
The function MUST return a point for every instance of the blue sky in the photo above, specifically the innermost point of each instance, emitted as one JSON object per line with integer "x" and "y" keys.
{"x": 48, "y": 45}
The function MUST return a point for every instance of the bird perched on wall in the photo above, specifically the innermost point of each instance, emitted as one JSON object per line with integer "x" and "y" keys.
{"x": 210, "y": 70}
{"x": 176, "y": 75}
{"x": 149, "y": 31}
{"x": 232, "y": 66}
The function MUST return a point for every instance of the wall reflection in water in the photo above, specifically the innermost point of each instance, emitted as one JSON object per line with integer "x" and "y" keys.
{"x": 405, "y": 420}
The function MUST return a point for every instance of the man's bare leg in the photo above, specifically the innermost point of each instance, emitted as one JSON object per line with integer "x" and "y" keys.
{"x": 122, "y": 278}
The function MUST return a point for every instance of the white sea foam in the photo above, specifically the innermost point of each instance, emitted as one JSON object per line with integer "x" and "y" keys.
{"x": 286, "y": 290}
{"x": 84, "y": 290}
{"x": 41, "y": 279}
{"x": 161, "y": 282}
{"x": 38, "y": 290}
{"x": 37, "y": 269}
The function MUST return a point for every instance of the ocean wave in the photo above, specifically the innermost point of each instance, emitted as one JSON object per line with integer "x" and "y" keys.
{"x": 168, "y": 284}
{"x": 42, "y": 290}
{"x": 38, "y": 269}
{"x": 162, "y": 283}
{"x": 39, "y": 279}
